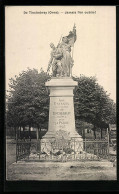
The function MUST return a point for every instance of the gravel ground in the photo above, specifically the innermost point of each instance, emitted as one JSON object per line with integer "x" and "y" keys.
{"x": 10, "y": 152}
{"x": 93, "y": 170}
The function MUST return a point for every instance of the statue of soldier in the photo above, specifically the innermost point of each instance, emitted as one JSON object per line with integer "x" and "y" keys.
{"x": 55, "y": 61}
{"x": 61, "y": 59}
{"x": 67, "y": 61}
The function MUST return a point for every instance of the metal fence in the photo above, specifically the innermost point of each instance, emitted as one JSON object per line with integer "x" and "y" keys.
{"x": 100, "y": 148}
{"x": 62, "y": 149}
{"x": 23, "y": 148}
{"x": 75, "y": 149}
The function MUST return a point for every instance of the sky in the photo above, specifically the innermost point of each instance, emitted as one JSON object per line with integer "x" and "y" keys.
{"x": 30, "y": 29}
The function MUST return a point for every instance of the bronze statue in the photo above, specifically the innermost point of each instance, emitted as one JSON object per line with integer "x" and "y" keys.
{"x": 61, "y": 60}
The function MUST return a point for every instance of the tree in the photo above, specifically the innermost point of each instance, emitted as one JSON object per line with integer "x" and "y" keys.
{"x": 28, "y": 104}
{"x": 81, "y": 126}
{"x": 92, "y": 103}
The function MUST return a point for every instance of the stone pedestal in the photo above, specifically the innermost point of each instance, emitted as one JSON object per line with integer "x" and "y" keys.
{"x": 61, "y": 111}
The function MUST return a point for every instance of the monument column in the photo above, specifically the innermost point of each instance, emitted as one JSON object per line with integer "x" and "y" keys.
{"x": 61, "y": 129}
{"x": 61, "y": 111}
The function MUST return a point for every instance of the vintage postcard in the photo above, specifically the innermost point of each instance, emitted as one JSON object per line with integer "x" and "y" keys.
{"x": 60, "y": 66}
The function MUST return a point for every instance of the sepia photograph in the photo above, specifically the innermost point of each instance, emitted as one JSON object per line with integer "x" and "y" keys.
{"x": 60, "y": 93}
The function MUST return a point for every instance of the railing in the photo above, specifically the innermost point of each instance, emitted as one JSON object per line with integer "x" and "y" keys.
{"x": 62, "y": 149}
{"x": 22, "y": 148}
{"x": 75, "y": 149}
{"x": 99, "y": 148}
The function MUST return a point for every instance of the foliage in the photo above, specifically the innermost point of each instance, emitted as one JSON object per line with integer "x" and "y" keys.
{"x": 92, "y": 103}
{"x": 29, "y": 101}
{"x": 81, "y": 125}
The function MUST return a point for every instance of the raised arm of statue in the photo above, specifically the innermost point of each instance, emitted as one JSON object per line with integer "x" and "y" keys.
{"x": 51, "y": 58}
{"x": 49, "y": 63}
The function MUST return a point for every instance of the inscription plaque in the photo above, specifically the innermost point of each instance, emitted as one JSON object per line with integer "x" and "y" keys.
{"x": 61, "y": 114}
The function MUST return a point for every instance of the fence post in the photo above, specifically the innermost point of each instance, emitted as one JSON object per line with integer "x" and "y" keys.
{"x": 29, "y": 145}
{"x": 37, "y": 134}
{"x": 74, "y": 148}
{"x": 39, "y": 147}
{"x": 85, "y": 144}
{"x": 39, "y": 141}
{"x": 108, "y": 142}
{"x": 16, "y": 146}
